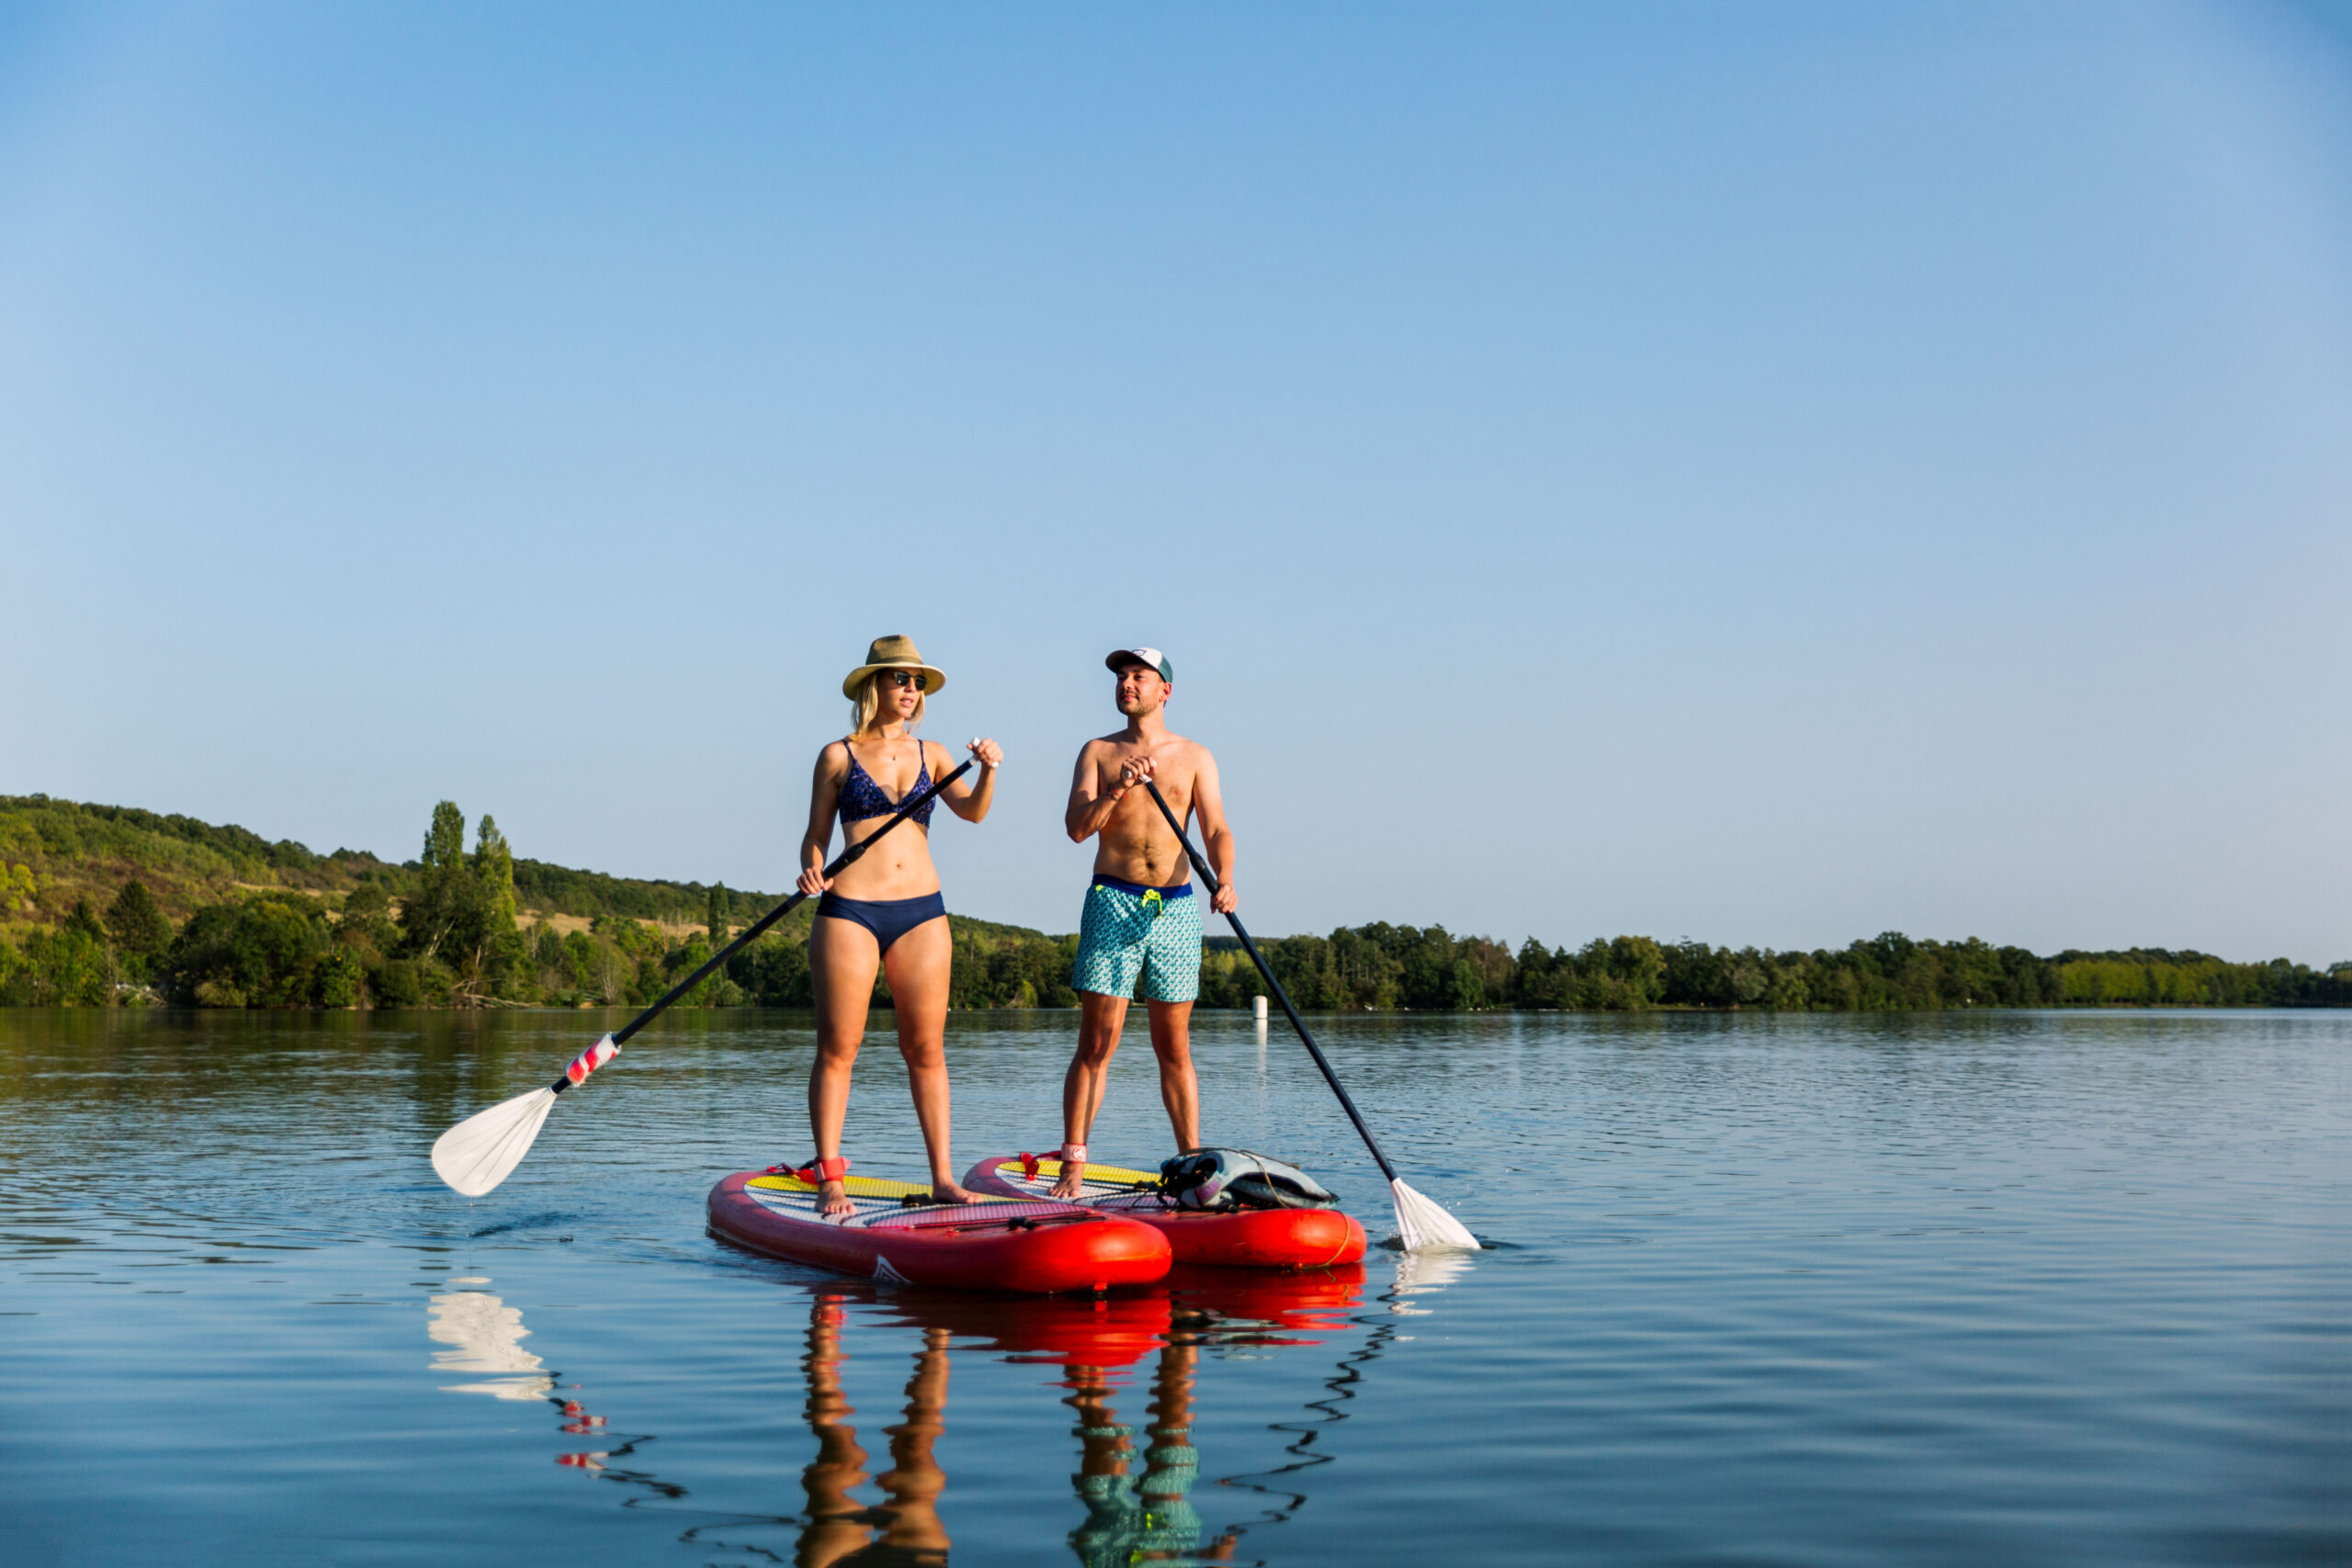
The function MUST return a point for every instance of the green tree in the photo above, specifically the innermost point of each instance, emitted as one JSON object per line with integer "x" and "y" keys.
{"x": 444, "y": 895}
{"x": 65, "y": 967}
{"x": 774, "y": 972}
{"x": 461, "y": 913}
{"x": 367, "y": 922}
{"x": 491, "y": 955}
{"x": 342, "y": 978}
{"x": 580, "y": 960}
{"x": 83, "y": 921}
{"x": 719, "y": 916}
{"x": 445, "y": 836}
{"x": 719, "y": 990}
{"x": 265, "y": 952}
{"x": 398, "y": 984}
{"x": 141, "y": 929}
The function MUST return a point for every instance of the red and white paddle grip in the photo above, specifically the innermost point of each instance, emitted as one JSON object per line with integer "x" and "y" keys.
{"x": 588, "y": 1061}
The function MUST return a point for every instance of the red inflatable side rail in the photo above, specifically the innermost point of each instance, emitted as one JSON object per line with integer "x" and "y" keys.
{"x": 1024, "y": 1247}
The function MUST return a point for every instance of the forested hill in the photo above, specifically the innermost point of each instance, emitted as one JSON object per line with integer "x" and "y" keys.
{"x": 55, "y": 851}
{"x": 110, "y": 905}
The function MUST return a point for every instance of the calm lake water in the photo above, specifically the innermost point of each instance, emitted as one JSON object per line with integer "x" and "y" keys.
{"x": 2023, "y": 1288}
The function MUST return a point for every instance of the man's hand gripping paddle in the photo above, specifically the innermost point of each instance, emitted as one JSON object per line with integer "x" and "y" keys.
{"x": 482, "y": 1150}
{"x": 1419, "y": 1222}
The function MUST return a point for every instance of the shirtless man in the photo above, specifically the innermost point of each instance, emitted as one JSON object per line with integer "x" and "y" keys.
{"x": 1142, "y": 917}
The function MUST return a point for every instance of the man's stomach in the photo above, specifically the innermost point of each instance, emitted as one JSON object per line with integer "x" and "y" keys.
{"x": 1145, "y": 871}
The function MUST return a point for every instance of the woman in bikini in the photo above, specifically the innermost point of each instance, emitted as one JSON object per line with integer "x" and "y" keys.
{"x": 884, "y": 911}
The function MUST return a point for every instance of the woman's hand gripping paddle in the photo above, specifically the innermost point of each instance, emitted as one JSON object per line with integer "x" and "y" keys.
{"x": 1419, "y": 1222}
{"x": 484, "y": 1150}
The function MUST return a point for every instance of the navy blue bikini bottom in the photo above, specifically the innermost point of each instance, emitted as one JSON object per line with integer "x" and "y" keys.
{"x": 887, "y": 918}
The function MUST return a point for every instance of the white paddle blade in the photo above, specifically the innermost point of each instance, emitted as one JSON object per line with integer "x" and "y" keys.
{"x": 482, "y": 1150}
{"x": 1421, "y": 1224}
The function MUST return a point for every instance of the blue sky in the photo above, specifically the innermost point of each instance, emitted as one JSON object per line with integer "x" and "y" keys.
{"x": 1763, "y": 474}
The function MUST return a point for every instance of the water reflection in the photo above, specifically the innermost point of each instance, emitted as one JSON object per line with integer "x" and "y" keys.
{"x": 905, "y": 1526}
{"x": 1134, "y": 1487}
{"x": 1133, "y": 1490}
{"x": 1421, "y": 1273}
{"x": 487, "y": 1336}
{"x": 1150, "y": 1517}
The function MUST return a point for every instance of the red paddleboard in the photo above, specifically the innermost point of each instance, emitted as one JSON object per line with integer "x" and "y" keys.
{"x": 1236, "y": 1238}
{"x": 1022, "y": 1245}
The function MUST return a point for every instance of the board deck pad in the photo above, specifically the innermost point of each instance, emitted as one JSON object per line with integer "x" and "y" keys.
{"x": 1101, "y": 1186}
{"x": 879, "y": 1204}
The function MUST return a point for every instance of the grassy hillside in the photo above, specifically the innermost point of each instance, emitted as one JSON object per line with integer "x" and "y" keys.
{"x": 53, "y": 853}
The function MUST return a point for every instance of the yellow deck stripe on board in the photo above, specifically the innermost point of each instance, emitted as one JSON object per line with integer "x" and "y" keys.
{"x": 859, "y": 1186}
{"x": 1053, "y": 1168}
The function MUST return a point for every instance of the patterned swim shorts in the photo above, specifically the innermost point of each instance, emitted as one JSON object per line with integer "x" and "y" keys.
{"x": 1130, "y": 930}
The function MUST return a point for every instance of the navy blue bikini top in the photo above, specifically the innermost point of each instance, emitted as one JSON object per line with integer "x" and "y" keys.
{"x": 861, "y": 797}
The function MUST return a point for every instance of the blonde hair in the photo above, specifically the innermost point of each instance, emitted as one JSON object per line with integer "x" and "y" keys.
{"x": 868, "y": 705}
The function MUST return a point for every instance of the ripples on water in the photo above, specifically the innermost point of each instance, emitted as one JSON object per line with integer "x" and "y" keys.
{"x": 1960, "y": 1289}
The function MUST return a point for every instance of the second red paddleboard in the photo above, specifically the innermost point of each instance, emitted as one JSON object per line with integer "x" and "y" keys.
{"x": 1234, "y": 1238}
{"x": 1028, "y": 1247}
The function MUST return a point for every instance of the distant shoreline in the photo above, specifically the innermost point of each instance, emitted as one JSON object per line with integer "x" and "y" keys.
{"x": 113, "y": 905}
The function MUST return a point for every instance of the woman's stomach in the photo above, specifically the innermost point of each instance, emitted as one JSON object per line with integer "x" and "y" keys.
{"x": 899, "y": 867}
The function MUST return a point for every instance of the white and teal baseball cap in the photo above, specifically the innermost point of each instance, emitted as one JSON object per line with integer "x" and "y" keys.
{"x": 1151, "y": 656}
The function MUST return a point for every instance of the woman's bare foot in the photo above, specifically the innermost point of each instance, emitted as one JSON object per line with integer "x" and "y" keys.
{"x": 949, "y": 1192}
{"x": 1073, "y": 1179}
{"x": 833, "y": 1200}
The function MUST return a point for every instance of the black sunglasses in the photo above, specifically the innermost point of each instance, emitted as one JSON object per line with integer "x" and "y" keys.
{"x": 915, "y": 678}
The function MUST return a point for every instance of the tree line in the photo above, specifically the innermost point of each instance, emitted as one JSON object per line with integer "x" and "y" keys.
{"x": 446, "y": 929}
{"x": 1427, "y": 968}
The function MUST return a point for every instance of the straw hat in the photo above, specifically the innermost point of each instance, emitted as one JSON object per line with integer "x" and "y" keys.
{"x": 893, "y": 653}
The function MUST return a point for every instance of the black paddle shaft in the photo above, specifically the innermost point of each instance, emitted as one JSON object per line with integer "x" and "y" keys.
{"x": 1201, "y": 864}
{"x": 906, "y": 808}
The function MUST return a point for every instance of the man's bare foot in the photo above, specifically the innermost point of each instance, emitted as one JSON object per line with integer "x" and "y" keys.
{"x": 833, "y": 1200}
{"x": 1073, "y": 1180}
{"x": 949, "y": 1192}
